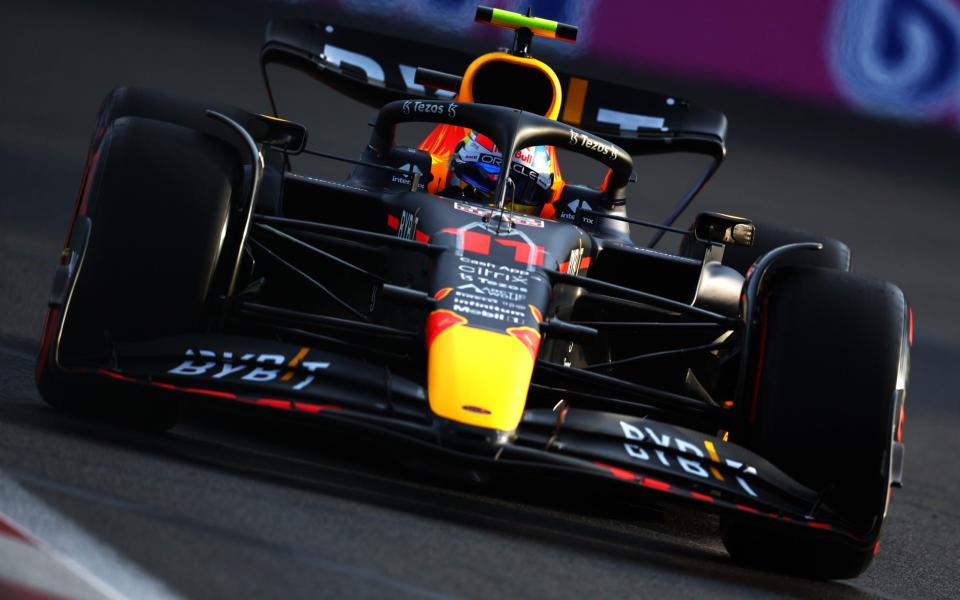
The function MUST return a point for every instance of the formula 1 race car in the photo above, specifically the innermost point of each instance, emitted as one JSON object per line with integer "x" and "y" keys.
{"x": 749, "y": 373}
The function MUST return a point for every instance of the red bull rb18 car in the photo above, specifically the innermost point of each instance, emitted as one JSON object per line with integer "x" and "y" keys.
{"x": 463, "y": 296}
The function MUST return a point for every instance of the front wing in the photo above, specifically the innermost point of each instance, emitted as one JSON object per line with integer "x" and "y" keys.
{"x": 642, "y": 454}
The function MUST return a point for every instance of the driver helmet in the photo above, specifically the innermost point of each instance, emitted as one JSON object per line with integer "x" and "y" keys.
{"x": 475, "y": 169}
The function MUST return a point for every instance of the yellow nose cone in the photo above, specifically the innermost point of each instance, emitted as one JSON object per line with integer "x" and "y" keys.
{"x": 476, "y": 376}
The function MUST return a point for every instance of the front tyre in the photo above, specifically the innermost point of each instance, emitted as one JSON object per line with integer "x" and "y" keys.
{"x": 146, "y": 241}
{"x": 824, "y": 408}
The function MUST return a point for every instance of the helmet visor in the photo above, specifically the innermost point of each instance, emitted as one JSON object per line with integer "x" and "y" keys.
{"x": 483, "y": 177}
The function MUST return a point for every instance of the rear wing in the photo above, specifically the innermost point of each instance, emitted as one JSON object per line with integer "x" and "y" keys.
{"x": 376, "y": 69}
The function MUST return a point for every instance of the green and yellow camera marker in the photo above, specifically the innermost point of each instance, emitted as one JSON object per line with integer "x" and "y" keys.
{"x": 537, "y": 26}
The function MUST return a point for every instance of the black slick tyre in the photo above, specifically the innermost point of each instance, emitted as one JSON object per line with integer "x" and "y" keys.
{"x": 155, "y": 203}
{"x": 832, "y": 361}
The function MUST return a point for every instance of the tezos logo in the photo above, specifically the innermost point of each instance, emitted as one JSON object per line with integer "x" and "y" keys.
{"x": 585, "y": 141}
{"x": 433, "y": 108}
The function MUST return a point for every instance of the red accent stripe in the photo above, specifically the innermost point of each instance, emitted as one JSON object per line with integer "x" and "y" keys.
{"x": 9, "y": 589}
{"x": 522, "y": 252}
{"x": 439, "y": 321}
{"x": 273, "y": 403}
{"x": 213, "y": 393}
{"x": 761, "y": 352}
{"x": 747, "y": 509}
{"x": 474, "y": 241}
{"x": 80, "y": 204}
{"x": 116, "y": 376}
{"x": 53, "y": 315}
{"x": 8, "y": 529}
{"x": 617, "y": 471}
{"x": 83, "y": 197}
{"x": 529, "y": 338}
{"x": 536, "y": 313}
{"x": 584, "y": 263}
{"x": 606, "y": 180}
{"x": 876, "y": 548}
{"x": 655, "y": 484}
{"x": 315, "y": 408}
{"x": 699, "y": 496}
{"x": 393, "y": 222}
{"x": 900, "y": 419}
{"x": 166, "y": 386}
{"x": 486, "y": 142}
{"x": 823, "y": 526}
{"x": 421, "y": 236}
{"x": 910, "y": 326}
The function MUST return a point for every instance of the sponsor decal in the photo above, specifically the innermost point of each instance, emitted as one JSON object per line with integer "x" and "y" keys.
{"x": 537, "y": 315}
{"x": 407, "y": 180}
{"x": 630, "y": 121}
{"x": 570, "y": 213}
{"x": 439, "y": 321}
{"x": 573, "y": 265}
{"x": 250, "y": 367}
{"x": 528, "y": 173}
{"x": 593, "y": 144}
{"x": 430, "y": 108}
{"x": 408, "y": 225}
{"x": 486, "y": 213}
{"x": 683, "y": 454}
{"x": 491, "y": 291}
{"x": 371, "y": 68}
{"x": 544, "y": 180}
{"x": 525, "y": 250}
{"x": 529, "y": 337}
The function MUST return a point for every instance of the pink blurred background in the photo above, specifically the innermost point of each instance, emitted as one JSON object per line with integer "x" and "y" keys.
{"x": 894, "y": 58}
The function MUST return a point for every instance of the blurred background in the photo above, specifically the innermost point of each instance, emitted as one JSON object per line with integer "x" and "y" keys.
{"x": 844, "y": 120}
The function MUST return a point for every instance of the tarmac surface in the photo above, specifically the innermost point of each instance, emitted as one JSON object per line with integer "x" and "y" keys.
{"x": 241, "y": 508}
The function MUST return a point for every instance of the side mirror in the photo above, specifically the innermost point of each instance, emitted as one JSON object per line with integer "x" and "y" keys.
{"x": 718, "y": 228}
{"x": 279, "y": 133}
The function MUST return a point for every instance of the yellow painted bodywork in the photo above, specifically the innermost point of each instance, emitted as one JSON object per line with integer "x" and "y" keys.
{"x": 482, "y": 369}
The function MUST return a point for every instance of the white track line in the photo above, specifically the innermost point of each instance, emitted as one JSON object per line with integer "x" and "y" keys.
{"x": 96, "y": 564}
{"x": 29, "y": 569}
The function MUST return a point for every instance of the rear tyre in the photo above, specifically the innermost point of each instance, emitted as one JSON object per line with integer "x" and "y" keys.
{"x": 835, "y": 254}
{"x": 832, "y": 365}
{"x": 156, "y": 202}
